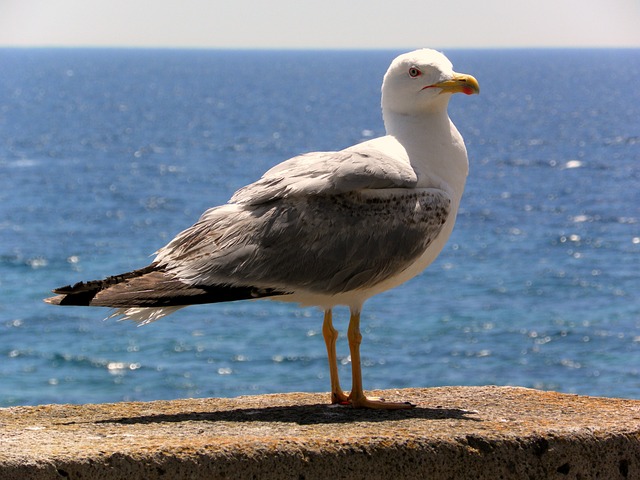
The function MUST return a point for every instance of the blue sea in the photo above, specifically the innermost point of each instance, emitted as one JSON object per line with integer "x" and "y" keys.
{"x": 106, "y": 154}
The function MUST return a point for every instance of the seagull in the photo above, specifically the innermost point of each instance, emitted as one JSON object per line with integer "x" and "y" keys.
{"x": 323, "y": 228}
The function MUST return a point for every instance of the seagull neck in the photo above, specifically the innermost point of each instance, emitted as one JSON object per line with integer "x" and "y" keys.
{"x": 404, "y": 126}
{"x": 434, "y": 146}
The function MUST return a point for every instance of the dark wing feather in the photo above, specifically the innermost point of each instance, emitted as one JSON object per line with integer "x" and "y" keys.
{"x": 150, "y": 287}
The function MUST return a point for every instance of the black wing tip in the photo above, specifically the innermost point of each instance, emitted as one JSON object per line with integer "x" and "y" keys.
{"x": 150, "y": 287}
{"x": 67, "y": 289}
{"x": 82, "y": 293}
{"x": 77, "y": 299}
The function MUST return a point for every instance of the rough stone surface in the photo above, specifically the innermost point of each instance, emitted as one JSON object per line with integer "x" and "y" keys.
{"x": 453, "y": 433}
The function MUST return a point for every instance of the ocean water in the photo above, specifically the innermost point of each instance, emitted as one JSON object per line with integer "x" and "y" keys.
{"x": 106, "y": 154}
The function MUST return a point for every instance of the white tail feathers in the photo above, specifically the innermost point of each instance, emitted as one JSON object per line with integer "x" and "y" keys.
{"x": 143, "y": 315}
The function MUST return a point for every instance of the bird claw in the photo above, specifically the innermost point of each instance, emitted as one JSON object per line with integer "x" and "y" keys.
{"x": 341, "y": 399}
{"x": 380, "y": 404}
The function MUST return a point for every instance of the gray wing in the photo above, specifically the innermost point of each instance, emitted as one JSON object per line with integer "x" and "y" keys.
{"x": 324, "y": 244}
{"x": 328, "y": 173}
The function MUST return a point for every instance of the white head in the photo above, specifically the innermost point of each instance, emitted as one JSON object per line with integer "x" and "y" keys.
{"x": 422, "y": 81}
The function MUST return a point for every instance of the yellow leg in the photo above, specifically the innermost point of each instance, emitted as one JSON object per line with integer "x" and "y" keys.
{"x": 357, "y": 396}
{"x": 330, "y": 337}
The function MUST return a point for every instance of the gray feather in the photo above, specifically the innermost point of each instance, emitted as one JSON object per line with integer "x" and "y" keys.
{"x": 324, "y": 244}
{"x": 328, "y": 173}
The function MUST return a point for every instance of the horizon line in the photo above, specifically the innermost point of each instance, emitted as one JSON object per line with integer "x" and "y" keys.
{"x": 312, "y": 48}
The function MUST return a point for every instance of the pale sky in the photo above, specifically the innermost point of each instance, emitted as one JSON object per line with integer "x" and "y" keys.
{"x": 369, "y": 24}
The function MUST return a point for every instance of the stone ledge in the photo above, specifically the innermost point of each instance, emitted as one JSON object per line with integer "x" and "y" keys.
{"x": 454, "y": 433}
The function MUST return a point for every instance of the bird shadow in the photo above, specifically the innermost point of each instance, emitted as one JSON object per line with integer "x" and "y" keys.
{"x": 301, "y": 415}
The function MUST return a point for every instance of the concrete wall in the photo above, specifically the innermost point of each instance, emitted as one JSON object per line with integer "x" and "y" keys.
{"x": 453, "y": 433}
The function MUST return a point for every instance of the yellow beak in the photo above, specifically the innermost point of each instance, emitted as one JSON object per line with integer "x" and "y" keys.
{"x": 460, "y": 83}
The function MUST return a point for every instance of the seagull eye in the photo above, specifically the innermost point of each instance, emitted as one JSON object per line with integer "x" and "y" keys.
{"x": 414, "y": 72}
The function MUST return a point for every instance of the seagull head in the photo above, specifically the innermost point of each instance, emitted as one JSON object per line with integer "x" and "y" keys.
{"x": 423, "y": 81}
